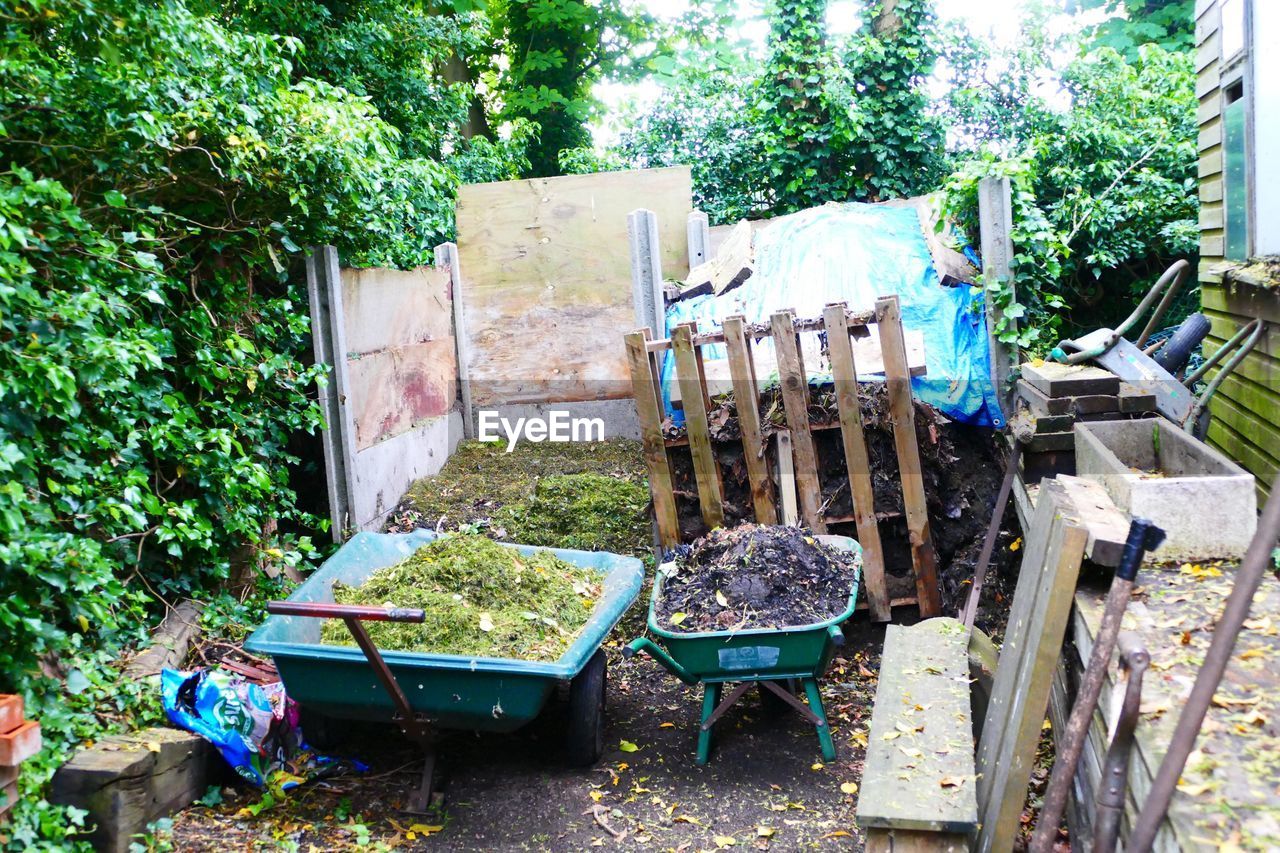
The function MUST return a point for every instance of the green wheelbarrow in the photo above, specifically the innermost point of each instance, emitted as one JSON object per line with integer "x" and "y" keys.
{"x": 775, "y": 660}
{"x": 421, "y": 693}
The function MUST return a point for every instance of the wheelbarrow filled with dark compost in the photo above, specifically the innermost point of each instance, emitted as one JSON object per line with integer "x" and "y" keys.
{"x": 421, "y": 691}
{"x": 707, "y": 621}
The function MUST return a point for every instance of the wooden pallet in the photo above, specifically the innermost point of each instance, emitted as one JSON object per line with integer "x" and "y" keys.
{"x": 686, "y": 342}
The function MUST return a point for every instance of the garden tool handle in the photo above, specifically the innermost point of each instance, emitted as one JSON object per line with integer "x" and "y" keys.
{"x": 324, "y": 610}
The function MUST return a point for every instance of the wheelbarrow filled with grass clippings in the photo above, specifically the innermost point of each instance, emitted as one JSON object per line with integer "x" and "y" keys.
{"x": 766, "y": 613}
{"x": 333, "y": 680}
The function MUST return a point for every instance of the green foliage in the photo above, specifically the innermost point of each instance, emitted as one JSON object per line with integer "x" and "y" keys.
{"x": 555, "y": 49}
{"x": 1168, "y": 23}
{"x": 821, "y": 121}
{"x": 1104, "y": 194}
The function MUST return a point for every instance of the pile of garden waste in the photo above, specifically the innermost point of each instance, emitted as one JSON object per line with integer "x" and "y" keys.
{"x": 756, "y": 576}
{"x": 482, "y": 599}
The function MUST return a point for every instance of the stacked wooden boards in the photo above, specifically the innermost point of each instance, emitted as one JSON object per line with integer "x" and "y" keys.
{"x": 19, "y": 740}
{"x": 1052, "y": 397}
{"x": 644, "y": 356}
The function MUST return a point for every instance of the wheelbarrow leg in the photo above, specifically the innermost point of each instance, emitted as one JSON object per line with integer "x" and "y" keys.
{"x": 824, "y": 730}
{"x": 420, "y": 801}
{"x": 710, "y": 699}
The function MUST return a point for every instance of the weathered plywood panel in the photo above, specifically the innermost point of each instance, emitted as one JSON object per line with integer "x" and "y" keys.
{"x": 545, "y": 268}
{"x": 394, "y": 390}
{"x": 400, "y": 352}
{"x": 386, "y": 308}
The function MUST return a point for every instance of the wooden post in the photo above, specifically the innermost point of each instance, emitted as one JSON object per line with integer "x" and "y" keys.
{"x": 995, "y": 225}
{"x": 698, "y": 231}
{"x": 844, "y": 374}
{"x": 795, "y": 398}
{"x": 902, "y": 411}
{"x": 649, "y": 411}
{"x": 328, "y": 337}
{"x": 786, "y": 478}
{"x": 693, "y": 394}
{"x": 646, "y": 270}
{"x": 447, "y": 256}
{"x": 746, "y": 395}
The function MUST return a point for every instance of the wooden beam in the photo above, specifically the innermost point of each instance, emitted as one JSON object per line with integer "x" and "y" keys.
{"x": 746, "y": 395}
{"x": 1028, "y": 660}
{"x": 844, "y": 374}
{"x": 649, "y": 411}
{"x": 902, "y": 413}
{"x": 786, "y": 478}
{"x": 706, "y": 471}
{"x": 795, "y": 399}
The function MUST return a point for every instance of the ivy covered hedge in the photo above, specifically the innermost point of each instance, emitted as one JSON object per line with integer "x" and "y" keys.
{"x": 159, "y": 170}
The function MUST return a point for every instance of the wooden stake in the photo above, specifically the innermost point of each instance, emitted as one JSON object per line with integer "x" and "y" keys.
{"x": 649, "y": 411}
{"x": 693, "y": 393}
{"x": 795, "y": 398}
{"x": 747, "y": 396}
{"x": 902, "y": 412}
{"x": 844, "y": 374}
{"x": 786, "y": 478}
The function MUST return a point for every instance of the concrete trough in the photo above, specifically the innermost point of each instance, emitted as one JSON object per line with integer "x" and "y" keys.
{"x": 1152, "y": 469}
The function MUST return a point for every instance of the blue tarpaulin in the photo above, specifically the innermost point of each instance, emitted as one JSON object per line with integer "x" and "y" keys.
{"x": 855, "y": 253}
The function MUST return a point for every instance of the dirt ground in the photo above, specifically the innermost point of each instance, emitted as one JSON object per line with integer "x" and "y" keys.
{"x": 766, "y": 786}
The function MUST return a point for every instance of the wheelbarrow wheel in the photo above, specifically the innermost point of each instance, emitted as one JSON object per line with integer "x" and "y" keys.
{"x": 320, "y": 731}
{"x": 586, "y": 712}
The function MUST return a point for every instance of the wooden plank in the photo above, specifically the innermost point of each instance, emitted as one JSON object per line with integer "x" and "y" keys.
{"x": 705, "y": 469}
{"x": 1069, "y": 380}
{"x": 447, "y": 258}
{"x": 919, "y": 770}
{"x": 1024, "y": 677}
{"x": 728, "y": 268}
{"x": 330, "y": 278}
{"x": 399, "y": 388}
{"x": 795, "y": 399}
{"x": 902, "y": 412}
{"x": 913, "y": 841}
{"x": 1249, "y": 425}
{"x": 747, "y": 397}
{"x": 649, "y": 411}
{"x": 551, "y": 257}
{"x": 1107, "y": 526}
{"x": 787, "y": 478}
{"x": 866, "y": 349}
{"x": 844, "y": 373}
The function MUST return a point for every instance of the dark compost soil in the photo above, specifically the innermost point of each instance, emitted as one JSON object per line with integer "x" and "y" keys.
{"x": 756, "y": 576}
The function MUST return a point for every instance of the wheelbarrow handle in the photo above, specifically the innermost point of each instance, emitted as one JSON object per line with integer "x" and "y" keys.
{"x": 366, "y": 613}
{"x": 644, "y": 644}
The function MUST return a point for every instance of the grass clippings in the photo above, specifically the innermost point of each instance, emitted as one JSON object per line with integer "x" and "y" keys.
{"x": 481, "y": 600}
{"x": 756, "y": 576}
{"x": 587, "y": 511}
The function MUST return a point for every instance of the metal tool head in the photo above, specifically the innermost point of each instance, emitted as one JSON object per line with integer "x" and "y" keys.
{"x": 1143, "y": 537}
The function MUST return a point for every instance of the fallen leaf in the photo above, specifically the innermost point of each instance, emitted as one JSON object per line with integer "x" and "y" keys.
{"x": 723, "y": 841}
{"x": 839, "y": 833}
{"x": 764, "y": 831}
{"x": 849, "y": 787}
{"x": 684, "y": 818}
{"x": 950, "y": 782}
{"x": 817, "y": 765}
{"x": 596, "y": 796}
{"x": 486, "y": 622}
{"x": 1195, "y": 790}
{"x": 723, "y": 602}
{"x": 153, "y": 746}
{"x": 678, "y": 617}
{"x": 1015, "y": 544}
{"x": 666, "y": 725}
{"x": 627, "y": 746}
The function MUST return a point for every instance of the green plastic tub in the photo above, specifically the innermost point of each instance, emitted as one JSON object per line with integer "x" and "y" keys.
{"x": 480, "y": 694}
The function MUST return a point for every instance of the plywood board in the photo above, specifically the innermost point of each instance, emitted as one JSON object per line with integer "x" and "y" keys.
{"x": 545, "y": 267}
{"x": 400, "y": 352}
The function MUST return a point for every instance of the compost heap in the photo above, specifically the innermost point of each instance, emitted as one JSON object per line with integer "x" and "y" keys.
{"x": 756, "y": 576}
{"x": 482, "y": 599}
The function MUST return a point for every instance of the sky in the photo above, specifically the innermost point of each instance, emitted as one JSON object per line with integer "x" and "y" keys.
{"x": 997, "y": 20}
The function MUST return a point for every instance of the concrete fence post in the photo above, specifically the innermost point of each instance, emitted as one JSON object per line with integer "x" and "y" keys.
{"x": 995, "y": 222}
{"x": 699, "y": 235}
{"x": 447, "y": 256}
{"x": 646, "y": 271}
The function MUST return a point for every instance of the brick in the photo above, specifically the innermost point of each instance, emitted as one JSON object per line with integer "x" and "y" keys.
{"x": 10, "y": 712}
{"x": 20, "y": 744}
